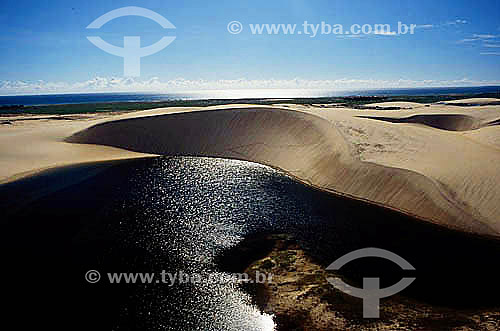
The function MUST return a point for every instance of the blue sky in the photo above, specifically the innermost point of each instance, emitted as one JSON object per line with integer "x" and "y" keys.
{"x": 45, "y": 49}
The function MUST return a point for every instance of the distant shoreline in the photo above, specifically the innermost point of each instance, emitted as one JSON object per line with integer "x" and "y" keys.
{"x": 115, "y": 102}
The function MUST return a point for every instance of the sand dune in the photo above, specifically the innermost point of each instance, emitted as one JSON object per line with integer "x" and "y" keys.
{"x": 462, "y": 164}
{"x": 452, "y": 122}
{"x": 446, "y": 176}
{"x": 303, "y": 144}
{"x": 487, "y": 136}
{"x": 33, "y": 143}
{"x": 395, "y": 105}
{"x": 473, "y": 102}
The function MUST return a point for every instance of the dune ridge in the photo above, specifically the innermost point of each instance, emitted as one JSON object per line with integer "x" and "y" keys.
{"x": 472, "y": 102}
{"x": 451, "y": 122}
{"x": 304, "y": 145}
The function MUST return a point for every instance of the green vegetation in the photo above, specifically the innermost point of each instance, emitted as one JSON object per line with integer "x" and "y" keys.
{"x": 353, "y": 101}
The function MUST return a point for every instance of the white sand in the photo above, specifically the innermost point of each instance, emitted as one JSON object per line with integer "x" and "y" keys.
{"x": 473, "y": 101}
{"x": 403, "y": 105}
{"x": 29, "y": 146}
{"x": 444, "y": 176}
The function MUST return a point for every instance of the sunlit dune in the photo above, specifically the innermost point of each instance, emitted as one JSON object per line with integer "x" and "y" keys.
{"x": 435, "y": 162}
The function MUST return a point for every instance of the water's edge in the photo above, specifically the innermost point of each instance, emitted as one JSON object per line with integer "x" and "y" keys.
{"x": 65, "y": 233}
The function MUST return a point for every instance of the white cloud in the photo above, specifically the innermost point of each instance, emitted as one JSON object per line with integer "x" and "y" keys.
{"x": 484, "y": 36}
{"x": 467, "y": 40}
{"x": 490, "y": 53}
{"x": 439, "y": 25}
{"x": 455, "y": 22}
{"x": 425, "y": 26}
{"x": 479, "y": 37}
{"x": 492, "y": 45}
{"x": 121, "y": 84}
{"x": 385, "y": 33}
{"x": 351, "y": 36}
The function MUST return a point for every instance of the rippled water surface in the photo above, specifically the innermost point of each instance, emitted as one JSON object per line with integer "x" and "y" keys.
{"x": 179, "y": 214}
{"x": 174, "y": 214}
{"x": 187, "y": 211}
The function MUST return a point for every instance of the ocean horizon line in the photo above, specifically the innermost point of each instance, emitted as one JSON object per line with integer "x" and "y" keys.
{"x": 230, "y": 94}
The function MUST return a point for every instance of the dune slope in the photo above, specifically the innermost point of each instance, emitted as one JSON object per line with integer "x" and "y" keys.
{"x": 451, "y": 122}
{"x": 304, "y": 145}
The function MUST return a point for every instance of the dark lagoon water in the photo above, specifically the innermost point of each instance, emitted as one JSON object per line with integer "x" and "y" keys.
{"x": 51, "y": 99}
{"x": 180, "y": 214}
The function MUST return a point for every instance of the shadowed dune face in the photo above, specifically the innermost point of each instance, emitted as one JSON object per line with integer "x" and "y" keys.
{"x": 301, "y": 144}
{"x": 451, "y": 122}
{"x": 495, "y": 122}
{"x": 249, "y": 134}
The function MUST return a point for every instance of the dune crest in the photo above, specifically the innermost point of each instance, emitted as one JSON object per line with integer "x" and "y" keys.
{"x": 451, "y": 122}
{"x": 473, "y": 102}
{"x": 306, "y": 146}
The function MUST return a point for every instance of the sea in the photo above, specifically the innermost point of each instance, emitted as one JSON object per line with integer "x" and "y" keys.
{"x": 50, "y": 99}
